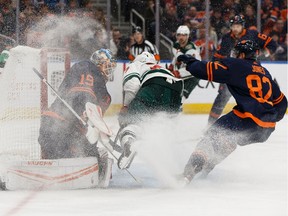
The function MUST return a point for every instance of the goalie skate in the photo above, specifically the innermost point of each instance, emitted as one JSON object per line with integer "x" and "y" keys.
{"x": 127, "y": 156}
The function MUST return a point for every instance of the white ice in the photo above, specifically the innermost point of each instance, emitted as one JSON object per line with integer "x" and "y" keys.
{"x": 250, "y": 182}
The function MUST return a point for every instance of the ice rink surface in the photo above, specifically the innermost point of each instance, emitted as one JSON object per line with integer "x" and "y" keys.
{"x": 250, "y": 182}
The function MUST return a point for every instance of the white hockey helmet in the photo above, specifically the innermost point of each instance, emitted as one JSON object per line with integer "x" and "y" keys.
{"x": 104, "y": 59}
{"x": 183, "y": 29}
{"x": 146, "y": 57}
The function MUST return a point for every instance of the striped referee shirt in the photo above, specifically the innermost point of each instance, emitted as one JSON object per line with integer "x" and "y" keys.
{"x": 146, "y": 45}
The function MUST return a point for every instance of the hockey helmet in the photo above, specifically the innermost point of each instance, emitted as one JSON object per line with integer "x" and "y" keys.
{"x": 104, "y": 59}
{"x": 237, "y": 19}
{"x": 249, "y": 47}
{"x": 183, "y": 29}
{"x": 146, "y": 57}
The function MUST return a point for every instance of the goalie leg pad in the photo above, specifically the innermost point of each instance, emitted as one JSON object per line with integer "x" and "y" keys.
{"x": 105, "y": 168}
{"x": 72, "y": 173}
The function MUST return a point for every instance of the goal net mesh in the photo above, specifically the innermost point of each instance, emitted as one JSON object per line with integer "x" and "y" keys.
{"x": 24, "y": 96}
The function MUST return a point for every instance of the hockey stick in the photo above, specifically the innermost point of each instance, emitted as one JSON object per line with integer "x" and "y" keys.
{"x": 86, "y": 124}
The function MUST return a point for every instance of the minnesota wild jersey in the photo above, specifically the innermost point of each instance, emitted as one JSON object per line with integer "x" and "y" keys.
{"x": 151, "y": 87}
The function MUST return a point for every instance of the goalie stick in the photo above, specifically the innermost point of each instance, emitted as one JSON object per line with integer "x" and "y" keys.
{"x": 86, "y": 124}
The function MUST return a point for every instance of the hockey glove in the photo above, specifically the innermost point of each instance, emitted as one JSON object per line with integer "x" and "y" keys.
{"x": 186, "y": 59}
{"x": 176, "y": 73}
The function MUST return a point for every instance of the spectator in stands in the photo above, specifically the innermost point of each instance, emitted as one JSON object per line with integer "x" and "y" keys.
{"x": 250, "y": 17}
{"x": 278, "y": 29}
{"x": 124, "y": 47}
{"x": 149, "y": 15}
{"x": 1, "y": 22}
{"x": 279, "y": 54}
{"x": 217, "y": 22}
{"x": 72, "y": 9}
{"x": 193, "y": 14}
{"x": 201, "y": 42}
{"x": 9, "y": 19}
{"x": 169, "y": 21}
{"x": 182, "y": 6}
{"x": 51, "y": 3}
{"x": 283, "y": 56}
{"x": 230, "y": 9}
{"x": 196, "y": 20}
{"x": 115, "y": 41}
{"x": 141, "y": 44}
{"x": 27, "y": 19}
{"x": 100, "y": 16}
{"x": 269, "y": 16}
{"x": 199, "y": 4}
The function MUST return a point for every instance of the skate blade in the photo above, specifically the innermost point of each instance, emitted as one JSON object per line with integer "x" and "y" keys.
{"x": 125, "y": 162}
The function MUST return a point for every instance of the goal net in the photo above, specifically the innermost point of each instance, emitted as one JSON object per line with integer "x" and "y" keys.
{"x": 24, "y": 96}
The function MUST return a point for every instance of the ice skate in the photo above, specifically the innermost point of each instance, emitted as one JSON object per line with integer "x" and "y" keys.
{"x": 126, "y": 158}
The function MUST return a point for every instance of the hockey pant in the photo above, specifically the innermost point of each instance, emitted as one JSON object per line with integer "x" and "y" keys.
{"x": 219, "y": 103}
{"x": 153, "y": 97}
{"x": 221, "y": 139}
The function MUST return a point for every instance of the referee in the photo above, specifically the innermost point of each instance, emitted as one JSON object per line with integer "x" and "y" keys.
{"x": 141, "y": 45}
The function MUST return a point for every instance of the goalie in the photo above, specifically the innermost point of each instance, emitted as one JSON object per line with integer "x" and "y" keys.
{"x": 62, "y": 135}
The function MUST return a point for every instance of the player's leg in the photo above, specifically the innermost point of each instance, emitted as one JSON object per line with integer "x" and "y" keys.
{"x": 128, "y": 137}
{"x": 219, "y": 103}
{"x": 220, "y": 140}
{"x": 217, "y": 143}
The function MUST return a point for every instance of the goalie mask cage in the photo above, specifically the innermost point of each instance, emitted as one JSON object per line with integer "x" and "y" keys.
{"x": 24, "y": 96}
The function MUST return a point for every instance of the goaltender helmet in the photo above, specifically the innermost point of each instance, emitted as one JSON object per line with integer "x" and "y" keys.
{"x": 146, "y": 57}
{"x": 249, "y": 47}
{"x": 104, "y": 59}
{"x": 237, "y": 19}
{"x": 183, "y": 29}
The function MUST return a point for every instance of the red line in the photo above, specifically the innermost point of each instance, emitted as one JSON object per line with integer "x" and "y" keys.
{"x": 33, "y": 194}
{"x": 23, "y": 202}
